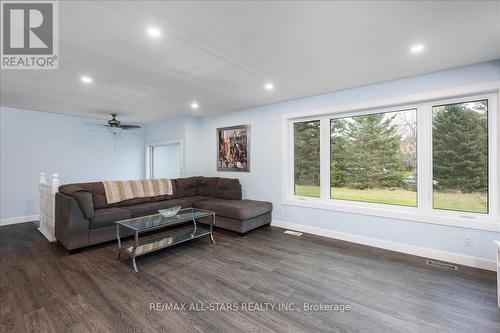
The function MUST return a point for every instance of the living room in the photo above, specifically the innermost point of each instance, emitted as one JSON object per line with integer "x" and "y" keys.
{"x": 327, "y": 166}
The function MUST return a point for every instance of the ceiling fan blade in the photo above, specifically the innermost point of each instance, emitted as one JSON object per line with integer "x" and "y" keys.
{"x": 127, "y": 127}
{"x": 94, "y": 124}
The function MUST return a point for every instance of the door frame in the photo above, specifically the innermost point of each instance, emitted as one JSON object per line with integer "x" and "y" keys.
{"x": 148, "y": 167}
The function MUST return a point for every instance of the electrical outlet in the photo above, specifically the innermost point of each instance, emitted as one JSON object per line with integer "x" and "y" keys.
{"x": 282, "y": 210}
{"x": 468, "y": 241}
{"x": 13, "y": 162}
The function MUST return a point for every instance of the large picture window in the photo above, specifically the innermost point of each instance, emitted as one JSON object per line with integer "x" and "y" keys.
{"x": 374, "y": 158}
{"x": 460, "y": 156}
{"x": 435, "y": 160}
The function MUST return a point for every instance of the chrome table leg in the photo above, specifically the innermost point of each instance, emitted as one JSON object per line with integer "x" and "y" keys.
{"x": 212, "y": 228}
{"x": 119, "y": 240}
{"x": 194, "y": 231}
{"x": 135, "y": 266}
{"x": 134, "y": 249}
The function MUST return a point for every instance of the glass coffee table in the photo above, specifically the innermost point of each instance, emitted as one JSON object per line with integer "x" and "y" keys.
{"x": 161, "y": 240}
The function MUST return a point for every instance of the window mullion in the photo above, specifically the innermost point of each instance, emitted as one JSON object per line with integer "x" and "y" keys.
{"x": 291, "y": 154}
{"x": 424, "y": 157}
{"x": 493, "y": 156}
{"x": 325, "y": 158}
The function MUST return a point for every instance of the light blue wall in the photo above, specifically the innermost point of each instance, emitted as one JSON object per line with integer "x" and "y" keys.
{"x": 74, "y": 147}
{"x": 264, "y": 182}
{"x": 168, "y": 130}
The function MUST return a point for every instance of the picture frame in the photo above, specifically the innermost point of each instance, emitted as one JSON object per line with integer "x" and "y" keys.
{"x": 233, "y": 148}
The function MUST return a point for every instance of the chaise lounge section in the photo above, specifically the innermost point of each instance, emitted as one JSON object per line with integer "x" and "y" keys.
{"x": 83, "y": 217}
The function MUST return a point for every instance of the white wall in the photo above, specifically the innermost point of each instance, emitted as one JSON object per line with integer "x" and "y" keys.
{"x": 264, "y": 182}
{"x": 74, "y": 147}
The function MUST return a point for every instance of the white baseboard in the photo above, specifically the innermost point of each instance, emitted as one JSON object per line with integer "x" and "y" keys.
{"x": 457, "y": 258}
{"x": 18, "y": 219}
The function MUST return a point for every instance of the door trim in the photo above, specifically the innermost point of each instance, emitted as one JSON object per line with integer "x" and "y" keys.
{"x": 148, "y": 149}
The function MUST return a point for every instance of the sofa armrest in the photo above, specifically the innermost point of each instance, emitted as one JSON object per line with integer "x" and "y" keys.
{"x": 71, "y": 226}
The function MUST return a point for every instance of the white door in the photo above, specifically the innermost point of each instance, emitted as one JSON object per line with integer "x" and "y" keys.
{"x": 166, "y": 161}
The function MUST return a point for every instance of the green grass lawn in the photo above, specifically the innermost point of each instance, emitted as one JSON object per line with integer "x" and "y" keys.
{"x": 466, "y": 202}
{"x": 396, "y": 197}
{"x": 470, "y": 202}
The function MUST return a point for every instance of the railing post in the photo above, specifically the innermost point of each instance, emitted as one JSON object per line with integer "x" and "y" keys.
{"x": 55, "y": 183}
{"x": 42, "y": 179}
{"x": 47, "y": 204}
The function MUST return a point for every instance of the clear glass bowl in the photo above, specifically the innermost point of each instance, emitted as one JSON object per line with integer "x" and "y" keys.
{"x": 169, "y": 212}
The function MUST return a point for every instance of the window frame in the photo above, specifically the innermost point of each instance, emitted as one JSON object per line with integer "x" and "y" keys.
{"x": 492, "y": 147}
{"x": 291, "y": 138}
{"x": 424, "y": 211}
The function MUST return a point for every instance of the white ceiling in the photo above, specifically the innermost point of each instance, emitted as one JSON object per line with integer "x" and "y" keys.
{"x": 221, "y": 53}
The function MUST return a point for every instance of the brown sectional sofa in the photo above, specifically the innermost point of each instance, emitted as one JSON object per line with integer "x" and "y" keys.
{"x": 83, "y": 217}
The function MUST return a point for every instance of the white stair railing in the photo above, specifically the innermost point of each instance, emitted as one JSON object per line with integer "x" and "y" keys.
{"x": 48, "y": 205}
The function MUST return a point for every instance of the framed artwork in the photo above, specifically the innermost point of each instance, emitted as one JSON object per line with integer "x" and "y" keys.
{"x": 233, "y": 148}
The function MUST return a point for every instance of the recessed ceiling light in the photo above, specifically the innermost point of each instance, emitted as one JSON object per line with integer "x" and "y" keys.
{"x": 269, "y": 86}
{"x": 86, "y": 79}
{"x": 417, "y": 48}
{"x": 194, "y": 105}
{"x": 154, "y": 32}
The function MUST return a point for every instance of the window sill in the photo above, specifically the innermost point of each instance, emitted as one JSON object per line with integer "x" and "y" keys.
{"x": 400, "y": 213}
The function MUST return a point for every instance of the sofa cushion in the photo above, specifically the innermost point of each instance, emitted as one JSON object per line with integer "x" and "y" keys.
{"x": 161, "y": 198}
{"x": 150, "y": 208}
{"x": 207, "y": 186}
{"x": 186, "y": 187}
{"x": 97, "y": 189}
{"x": 131, "y": 202}
{"x": 85, "y": 202}
{"x": 106, "y": 217}
{"x": 196, "y": 198}
{"x": 228, "y": 188}
{"x": 236, "y": 209}
{"x": 82, "y": 196}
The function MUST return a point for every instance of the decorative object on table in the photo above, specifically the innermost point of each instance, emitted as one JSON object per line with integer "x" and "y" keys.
{"x": 169, "y": 212}
{"x": 233, "y": 148}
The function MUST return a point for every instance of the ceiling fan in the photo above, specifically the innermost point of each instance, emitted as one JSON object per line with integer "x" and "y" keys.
{"x": 115, "y": 126}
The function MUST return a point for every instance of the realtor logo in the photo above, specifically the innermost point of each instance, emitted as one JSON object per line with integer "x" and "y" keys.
{"x": 29, "y": 35}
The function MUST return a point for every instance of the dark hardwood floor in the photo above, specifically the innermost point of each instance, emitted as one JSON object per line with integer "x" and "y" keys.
{"x": 43, "y": 289}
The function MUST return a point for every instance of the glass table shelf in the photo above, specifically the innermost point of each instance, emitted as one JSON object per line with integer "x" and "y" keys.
{"x": 162, "y": 241}
{"x": 178, "y": 229}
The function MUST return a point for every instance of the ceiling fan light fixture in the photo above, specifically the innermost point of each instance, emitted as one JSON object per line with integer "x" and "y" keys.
{"x": 115, "y": 130}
